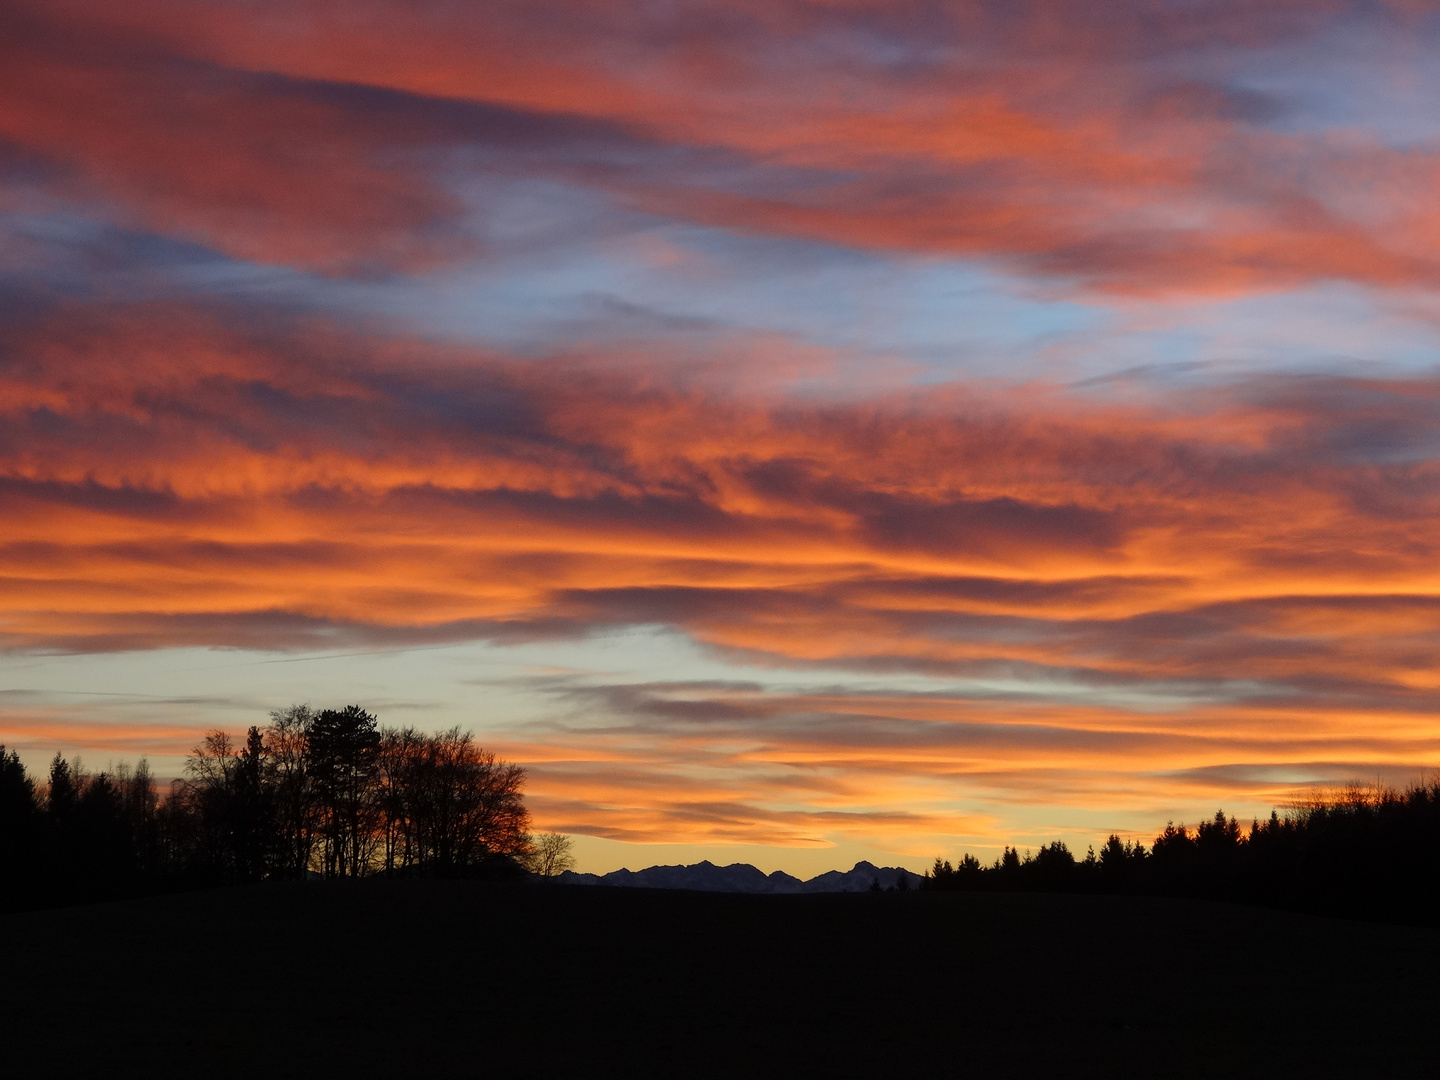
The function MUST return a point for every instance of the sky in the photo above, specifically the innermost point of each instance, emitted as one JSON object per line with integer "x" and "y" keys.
{"x": 797, "y": 432}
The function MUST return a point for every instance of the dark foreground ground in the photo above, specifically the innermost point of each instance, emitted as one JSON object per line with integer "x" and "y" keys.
{"x": 471, "y": 979}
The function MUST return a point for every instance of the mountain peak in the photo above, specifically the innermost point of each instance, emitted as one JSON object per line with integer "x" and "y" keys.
{"x": 705, "y": 876}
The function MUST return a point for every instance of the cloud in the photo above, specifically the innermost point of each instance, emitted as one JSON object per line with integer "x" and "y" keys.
{"x": 47, "y": 731}
{"x": 1110, "y": 591}
{"x": 337, "y": 177}
{"x": 196, "y": 474}
{"x": 649, "y": 761}
{"x": 1127, "y": 154}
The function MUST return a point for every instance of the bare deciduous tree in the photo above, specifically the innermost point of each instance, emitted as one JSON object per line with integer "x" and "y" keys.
{"x": 291, "y": 788}
{"x": 208, "y": 795}
{"x": 465, "y": 804}
{"x": 552, "y": 855}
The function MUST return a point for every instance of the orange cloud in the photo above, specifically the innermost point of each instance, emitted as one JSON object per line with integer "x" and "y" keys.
{"x": 1116, "y": 601}
{"x": 50, "y": 730}
{"x": 1253, "y": 522}
{"x": 699, "y": 762}
{"x": 1222, "y": 591}
{"x": 331, "y": 135}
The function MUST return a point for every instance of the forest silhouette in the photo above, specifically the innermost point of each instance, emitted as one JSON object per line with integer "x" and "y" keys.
{"x": 1372, "y": 852}
{"x": 333, "y": 794}
{"x": 314, "y": 793}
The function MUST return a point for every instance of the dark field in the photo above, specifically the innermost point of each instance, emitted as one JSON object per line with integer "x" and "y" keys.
{"x": 472, "y": 979}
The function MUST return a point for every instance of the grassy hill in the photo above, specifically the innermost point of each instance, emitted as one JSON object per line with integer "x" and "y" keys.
{"x": 454, "y": 978}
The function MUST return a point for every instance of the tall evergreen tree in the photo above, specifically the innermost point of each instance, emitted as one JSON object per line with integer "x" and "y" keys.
{"x": 343, "y": 748}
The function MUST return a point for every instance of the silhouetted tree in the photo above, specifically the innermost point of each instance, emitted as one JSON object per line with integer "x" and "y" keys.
{"x": 465, "y": 804}
{"x": 18, "y": 806}
{"x": 292, "y": 798}
{"x": 61, "y": 796}
{"x": 20, "y": 823}
{"x": 139, "y": 805}
{"x": 1053, "y": 867}
{"x": 1008, "y": 865}
{"x": 1219, "y": 836}
{"x": 327, "y": 791}
{"x": 103, "y": 846}
{"x": 552, "y": 855}
{"x": 343, "y": 748}
{"x": 1173, "y": 844}
{"x": 17, "y": 794}
{"x": 1118, "y": 858}
{"x": 251, "y": 809}
{"x": 397, "y": 772}
{"x": 1361, "y": 851}
{"x": 209, "y": 795}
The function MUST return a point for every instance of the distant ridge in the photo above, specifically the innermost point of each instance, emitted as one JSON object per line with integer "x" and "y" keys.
{"x": 744, "y": 878}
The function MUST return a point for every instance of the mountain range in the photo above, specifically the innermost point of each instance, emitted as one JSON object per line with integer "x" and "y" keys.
{"x": 744, "y": 878}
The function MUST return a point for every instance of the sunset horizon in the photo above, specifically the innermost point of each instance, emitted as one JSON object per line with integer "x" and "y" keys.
{"x": 796, "y": 433}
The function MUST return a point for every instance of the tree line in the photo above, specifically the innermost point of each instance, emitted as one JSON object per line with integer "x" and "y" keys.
{"x": 1372, "y": 852}
{"x": 326, "y": 793}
